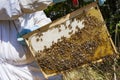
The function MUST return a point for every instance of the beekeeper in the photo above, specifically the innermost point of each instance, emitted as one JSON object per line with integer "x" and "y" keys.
{"x": 16, "y": 61}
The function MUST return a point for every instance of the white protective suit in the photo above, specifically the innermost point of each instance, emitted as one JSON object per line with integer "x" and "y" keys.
{"x": 16, "y": 62}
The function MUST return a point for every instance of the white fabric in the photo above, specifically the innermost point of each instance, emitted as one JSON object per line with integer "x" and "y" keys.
{"x": 9, "y": 8}
{"x": 10, "y": 50}
{"x": 15, "y": 59}
{"x": 12, "y": 9}
{"x": 38, "y": 18}
{"x": 23, "y": 72}
{"x": 28, "y": 6}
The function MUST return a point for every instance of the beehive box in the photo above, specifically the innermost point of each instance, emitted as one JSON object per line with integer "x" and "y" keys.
{"x": 71, "y": 41}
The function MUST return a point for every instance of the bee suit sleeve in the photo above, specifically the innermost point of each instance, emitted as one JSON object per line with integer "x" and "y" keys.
{"x": 12, "y": 9}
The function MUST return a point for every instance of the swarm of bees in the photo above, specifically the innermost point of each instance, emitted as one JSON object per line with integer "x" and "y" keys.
{"x": 72, "y": 52}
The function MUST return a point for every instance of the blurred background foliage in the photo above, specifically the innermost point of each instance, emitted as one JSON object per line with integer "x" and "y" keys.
{"x": 110, "y": 11}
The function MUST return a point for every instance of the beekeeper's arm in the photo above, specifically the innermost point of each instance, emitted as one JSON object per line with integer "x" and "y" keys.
{"x": 12, "y": 9}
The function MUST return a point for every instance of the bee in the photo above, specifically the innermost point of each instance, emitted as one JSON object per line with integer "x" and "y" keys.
{"x": 77, "y": 28}
{"x": 62, "y": 38}
{"x": 70, "y": 32}
{"x": 50, "y": 67}
{"x": 39, "y": 34}
{"x": 58, "y": 40}
{"x": 39, "y": 51}
{"x": 59, "y": 30}
{"x": 41, "y": 39}
{"x": 45, "y": 47}
{"x": 65, "y": 27}
{"x": 37, "y": 56}
{"x": 70, "y": 27}
{"x": 37, "y": 39}
{"x": 52, "y": 42}
{"x": 72, "y": 19}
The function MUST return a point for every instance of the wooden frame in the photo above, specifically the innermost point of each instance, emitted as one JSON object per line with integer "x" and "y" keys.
{"x": 104, "y": 47}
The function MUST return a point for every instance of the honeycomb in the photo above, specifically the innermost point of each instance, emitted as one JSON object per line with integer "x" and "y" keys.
{"x": 79, "y": 49}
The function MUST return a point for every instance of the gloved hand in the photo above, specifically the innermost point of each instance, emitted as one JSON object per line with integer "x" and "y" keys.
{"x": 58, "y": 1}
{"x": 23, "y": 32}
{"x": 19, "y": 36}
{"x": 100, "y": 2}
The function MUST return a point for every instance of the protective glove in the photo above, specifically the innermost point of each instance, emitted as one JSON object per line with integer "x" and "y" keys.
{"x": 23, "y": 32}
{"x": 100, "y": 2}
{"x": 58, "y": 1}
